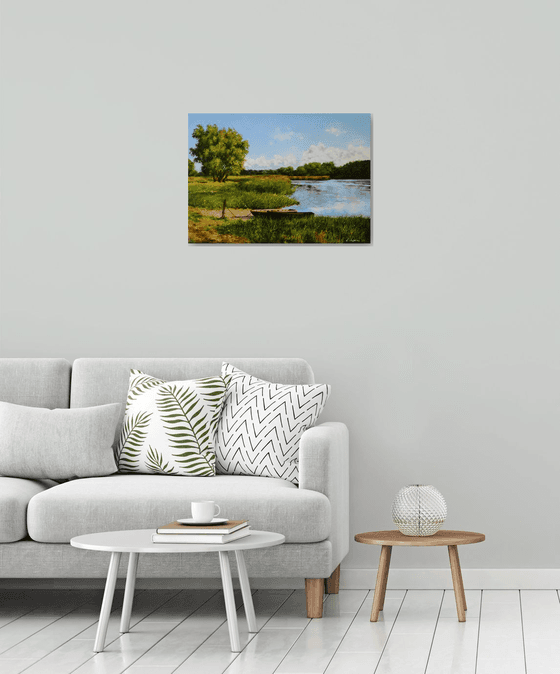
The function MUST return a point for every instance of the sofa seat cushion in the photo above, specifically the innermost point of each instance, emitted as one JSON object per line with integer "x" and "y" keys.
{"x": 118, "y": 502}
{"x": 15, "y": 494}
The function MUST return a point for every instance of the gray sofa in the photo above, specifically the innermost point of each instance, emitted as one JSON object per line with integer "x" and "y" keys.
{"x": 39, "y": 517}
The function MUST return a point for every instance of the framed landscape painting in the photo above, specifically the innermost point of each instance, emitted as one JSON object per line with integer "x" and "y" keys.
{"x": 280, "y": 178}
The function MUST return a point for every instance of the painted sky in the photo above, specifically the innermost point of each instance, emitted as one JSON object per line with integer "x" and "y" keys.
{"x": 294, "y": 139}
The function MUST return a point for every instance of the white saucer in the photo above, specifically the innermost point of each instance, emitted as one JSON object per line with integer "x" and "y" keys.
{"x": 193, "y": 522}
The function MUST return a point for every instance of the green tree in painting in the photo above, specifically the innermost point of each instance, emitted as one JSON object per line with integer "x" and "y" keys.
{"x": 192, "y": 169}
{"x": 220, "y": 151}
{"x": 285, "y": 170}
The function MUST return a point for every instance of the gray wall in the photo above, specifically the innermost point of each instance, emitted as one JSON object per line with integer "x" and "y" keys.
{"x": 441, "y": 340}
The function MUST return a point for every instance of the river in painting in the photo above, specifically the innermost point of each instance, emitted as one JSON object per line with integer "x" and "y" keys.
{"x": 333, "y": 197}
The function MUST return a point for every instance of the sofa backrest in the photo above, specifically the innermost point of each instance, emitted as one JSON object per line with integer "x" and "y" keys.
{"x": 97, "y": 381}
{"x": 35, "y": 382}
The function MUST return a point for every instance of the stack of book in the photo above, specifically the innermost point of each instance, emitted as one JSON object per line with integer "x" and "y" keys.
{"x": 175, "y": 532}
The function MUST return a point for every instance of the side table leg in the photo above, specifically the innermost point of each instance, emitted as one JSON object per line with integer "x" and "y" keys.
{"x": 386, "y": 576}
{"x": 231, "y": 613}
{"x": 107, "y": 602}
{"x": 381, "y": 582}
{"x": 457, "y": 582}
{"x": 246, "y": 591}
{"x": 129, "y": 591}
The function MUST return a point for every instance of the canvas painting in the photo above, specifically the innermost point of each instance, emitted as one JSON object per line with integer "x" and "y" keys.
{"x": 280, "y": 178}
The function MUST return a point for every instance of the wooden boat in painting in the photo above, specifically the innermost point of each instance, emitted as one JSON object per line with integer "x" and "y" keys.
{"x": 274, "y": 213}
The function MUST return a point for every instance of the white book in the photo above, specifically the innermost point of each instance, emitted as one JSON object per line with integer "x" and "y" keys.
{"x": 201, "y": 538}
{"x": 182, "y": 529}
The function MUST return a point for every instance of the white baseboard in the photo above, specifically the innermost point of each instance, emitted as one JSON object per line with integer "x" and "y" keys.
{"x": 350, "y": 579}
{"x": 440, "y": 579}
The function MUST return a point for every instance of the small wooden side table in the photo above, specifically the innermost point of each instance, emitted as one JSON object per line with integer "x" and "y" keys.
{"x": 387, "y": 539}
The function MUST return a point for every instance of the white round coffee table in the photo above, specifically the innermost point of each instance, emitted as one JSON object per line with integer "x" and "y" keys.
{"x": 140, "y": 541}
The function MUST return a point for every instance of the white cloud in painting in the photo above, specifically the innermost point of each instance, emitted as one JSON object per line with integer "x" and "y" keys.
{"x": 334, "y": 131}
{"x": 286, "y": 135}
{"x": 338, "y": 155}
{"x": 263, "y": 162}
{"x": 315, "y": 153}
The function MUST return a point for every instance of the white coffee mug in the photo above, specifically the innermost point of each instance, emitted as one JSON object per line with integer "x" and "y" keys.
{"x": 204, "y": 511}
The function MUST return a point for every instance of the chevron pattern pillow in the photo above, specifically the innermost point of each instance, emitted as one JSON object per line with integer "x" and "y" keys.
{"x": 169, "y": 427}
{"x": 262, "y": 423}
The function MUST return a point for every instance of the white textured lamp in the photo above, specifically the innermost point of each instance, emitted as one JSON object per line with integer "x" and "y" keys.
{"x": 419, "y": 510}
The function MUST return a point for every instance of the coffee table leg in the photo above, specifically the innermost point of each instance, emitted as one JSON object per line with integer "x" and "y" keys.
{"x": 381, "y": 582}
{"x": 457, "y": 583}
{"x": 246, "y": 591}
{"x": 129, "y": 591}
{"x": 231, "y": 613}
{"x": 107, "y": 602}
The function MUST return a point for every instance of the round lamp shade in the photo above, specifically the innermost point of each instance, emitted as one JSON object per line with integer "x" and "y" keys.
{"x": 419, "y": 510}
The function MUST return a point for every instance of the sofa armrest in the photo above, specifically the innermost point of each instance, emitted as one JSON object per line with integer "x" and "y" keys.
{"x": 324, "y": 467}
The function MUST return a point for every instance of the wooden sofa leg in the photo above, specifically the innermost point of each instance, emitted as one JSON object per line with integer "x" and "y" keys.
{"x": 314, "y": 588}
{"x": 331, "y": 583}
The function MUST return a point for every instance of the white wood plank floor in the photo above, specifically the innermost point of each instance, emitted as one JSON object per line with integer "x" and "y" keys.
{"x": 184, "y": 632}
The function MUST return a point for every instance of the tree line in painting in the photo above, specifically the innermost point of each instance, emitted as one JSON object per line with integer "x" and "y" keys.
{"x": 353, "y": 169}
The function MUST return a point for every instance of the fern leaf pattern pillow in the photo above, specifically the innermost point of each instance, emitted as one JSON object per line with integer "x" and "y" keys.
{"x": 169, "y": 427}
{"x": 262, "y": 423}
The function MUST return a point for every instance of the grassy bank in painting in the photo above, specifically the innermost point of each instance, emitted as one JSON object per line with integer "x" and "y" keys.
{"x": 317, "y": 229}
{"x": 205, "y": 227}
{"x": 310, "y": 177}
{"x": 243, "y": 193}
